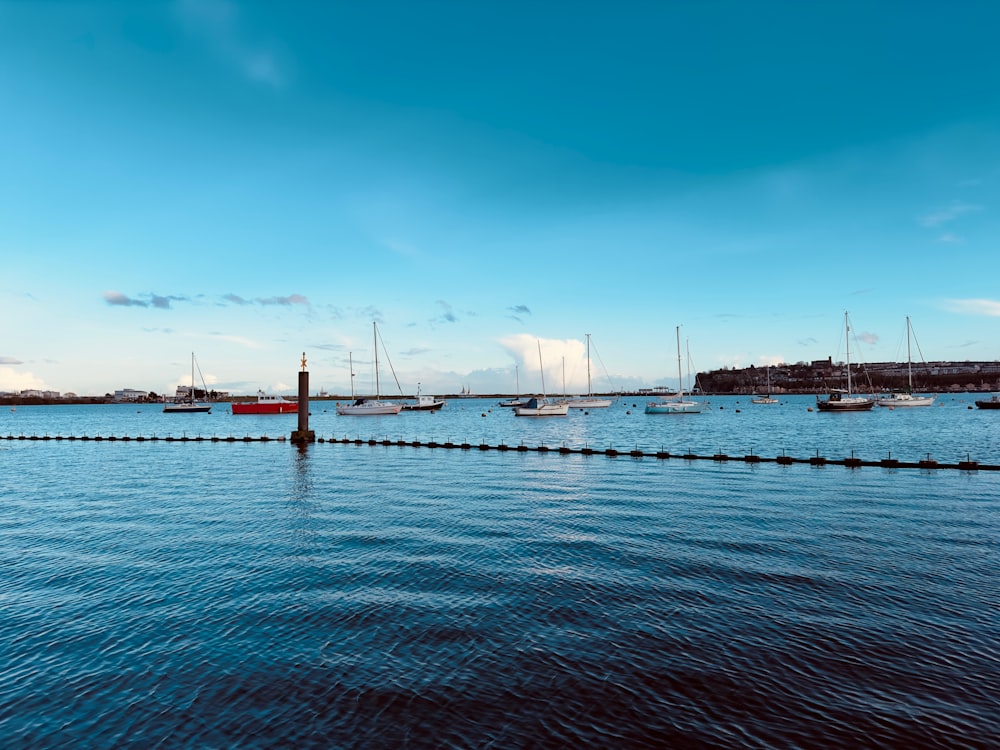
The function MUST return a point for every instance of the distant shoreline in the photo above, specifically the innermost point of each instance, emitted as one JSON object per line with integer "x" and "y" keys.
{"x": 103, "y": 400}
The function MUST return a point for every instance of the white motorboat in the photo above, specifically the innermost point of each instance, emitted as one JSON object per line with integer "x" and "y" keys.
{"x": 266, "y": 403}
{"x": 424, "y": 403}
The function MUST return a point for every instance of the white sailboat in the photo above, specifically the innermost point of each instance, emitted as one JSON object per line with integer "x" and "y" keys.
{"x": 907, "y": 398}
{"x": 187, "y": 403}
{"x": 540, "y": 406}
{"x": 840, "y": 400}
{"x": 676, "y": 404}
{"x": 766, "y": 399}
{"x": 517, "y": 400}
{"x": 364, "y": 407}
{"x": 590, "y": 401}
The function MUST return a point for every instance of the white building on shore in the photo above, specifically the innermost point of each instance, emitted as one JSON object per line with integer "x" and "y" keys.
{"x": 130, "y": 394}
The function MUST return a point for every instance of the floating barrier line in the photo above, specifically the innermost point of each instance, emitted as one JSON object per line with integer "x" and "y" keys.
{"x": 152, "y": 438}
{"x": 751, "y": 458}
{"x": 851, "y": 462}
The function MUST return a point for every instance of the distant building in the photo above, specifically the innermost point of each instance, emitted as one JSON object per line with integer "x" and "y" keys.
{"x": 130, "y": 394}
{"x": 184, "y": 392}
{"x": 33, "y": 393}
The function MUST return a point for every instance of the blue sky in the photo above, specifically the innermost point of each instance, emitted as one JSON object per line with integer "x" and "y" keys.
{"x": 252, "y": 180}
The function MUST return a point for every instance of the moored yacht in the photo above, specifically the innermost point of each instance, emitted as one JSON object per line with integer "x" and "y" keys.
{"x": 266, "y": 403}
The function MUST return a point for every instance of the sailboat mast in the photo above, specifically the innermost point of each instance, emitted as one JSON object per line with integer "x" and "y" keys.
{"x": 909, "y": 359}
{"x": 192, "y": 378}
{"x": 847, "y": 328}
{"x": 375, "y": 339}
{"x": 588, "y": 365}
{"x": 687, "y": 356}
{"x": 540, "y": 368}
{"x": 680, "y": 377}
{"x": 350, "y": 362}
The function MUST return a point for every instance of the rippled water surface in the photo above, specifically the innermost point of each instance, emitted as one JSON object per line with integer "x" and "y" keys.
{"x": 354, "y": 596}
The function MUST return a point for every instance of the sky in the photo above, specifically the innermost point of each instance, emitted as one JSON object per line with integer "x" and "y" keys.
{"x": 490, "y": 182}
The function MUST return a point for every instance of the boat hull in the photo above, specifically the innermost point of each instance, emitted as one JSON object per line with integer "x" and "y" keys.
{"x": 993, "y": 403}
{"x": 675, "y": 407}
{"x": 552, "y": 410}
{"x": 853, "y": 403}
{"x": 369, "y": 409}
{"x": 539, "y": 407}
{"x": 266, "y": 403}
{"x": 290, "y": 407}
{"x": 906, "y": 400}
{"x": 187, "y": 409}
{"x": 590, "y": 403}
{"x": 433, "y": 406}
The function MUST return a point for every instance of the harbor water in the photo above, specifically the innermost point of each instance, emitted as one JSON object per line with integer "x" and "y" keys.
{"x": 353, "y": 595}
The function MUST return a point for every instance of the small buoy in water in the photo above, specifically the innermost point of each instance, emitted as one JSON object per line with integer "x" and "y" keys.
{"x": 809, "y": 409}
{"x": 483, "y": 414}
{"x": 628, "y": 411}
{"x": 737, "y": 411}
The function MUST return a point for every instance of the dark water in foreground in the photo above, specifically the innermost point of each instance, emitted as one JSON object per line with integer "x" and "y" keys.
{"x": 252, "y": 595}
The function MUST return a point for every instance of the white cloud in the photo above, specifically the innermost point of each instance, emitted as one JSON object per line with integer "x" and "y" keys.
{"x": 739, "y": 361}
{"x": 524, "y": 348}
{"x": 726, "y": 360}
{"x": 948, "y": 214}
{"x": 12, "y": 380}
{"x": 248, "y": 343}
{"x": 202, "y": 380}
{"x": 262, "y": 67}
{"x": 218, "y": 22}
{"x": 402, "y": 247}
{"x": 987, "y": 307}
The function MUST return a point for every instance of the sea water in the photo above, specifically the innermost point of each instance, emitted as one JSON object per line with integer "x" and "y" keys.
{"x": 255, "y": 594}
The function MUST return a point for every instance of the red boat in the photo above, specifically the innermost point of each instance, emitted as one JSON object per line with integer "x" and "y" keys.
{"x": 266, "y": 404}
